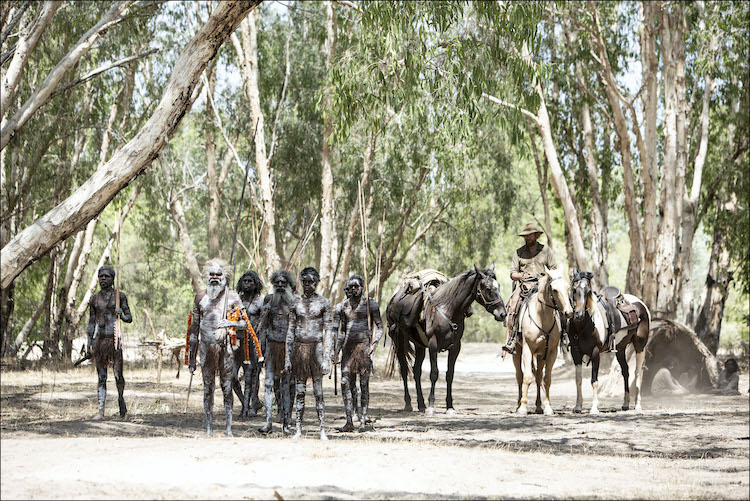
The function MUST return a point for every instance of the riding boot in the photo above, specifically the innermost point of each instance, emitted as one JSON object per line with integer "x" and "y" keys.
{"x": 510, "y": 343}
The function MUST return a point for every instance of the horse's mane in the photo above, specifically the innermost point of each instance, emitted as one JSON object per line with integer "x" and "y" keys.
{"x": 447, "y": 291}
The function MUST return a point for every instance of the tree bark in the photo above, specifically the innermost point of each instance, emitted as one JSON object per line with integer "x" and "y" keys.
{"x": 635, "y": 262}
{"x": 211, "y": 173}
{"x": 541, "y": 177}
{"x": 247, "y": 53}
{"x": 368, "y": 159}
{"x": 715, "y": 292}
{"x": 327, "y": 210}
{"x": 650, "y": 172}
{"x": 42, "y": 94}
{"x": 86, "y": 202}
{"x": 667, "y": 258}
{"x": 26, "y": 44}
{"x": 178, "y": 215}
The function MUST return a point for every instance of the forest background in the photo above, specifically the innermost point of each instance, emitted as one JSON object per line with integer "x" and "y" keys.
{"x": 621, "y": 128}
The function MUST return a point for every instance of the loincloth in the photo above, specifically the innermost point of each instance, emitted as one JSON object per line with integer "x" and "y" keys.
{"x": 305, "y": 362}
{"x": 104, "y": 351}
{"x": 357, "y": 361}
{"x": 276, "y": 353}
{"x": 212, "y": 357}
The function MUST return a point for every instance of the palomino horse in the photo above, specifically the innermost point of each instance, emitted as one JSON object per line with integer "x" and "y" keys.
{"x": 588, "y": 334}
{"x": 441, "y": 327}
{"x": 541, "y": 327}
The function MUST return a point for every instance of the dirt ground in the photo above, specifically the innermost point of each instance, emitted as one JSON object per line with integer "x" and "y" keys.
{"x": 693, "y": 447}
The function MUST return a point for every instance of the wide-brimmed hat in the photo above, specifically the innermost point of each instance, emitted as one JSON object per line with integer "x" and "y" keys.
{"x": 529, "y": 229}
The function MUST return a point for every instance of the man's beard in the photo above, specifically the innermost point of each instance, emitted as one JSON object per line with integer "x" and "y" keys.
{"x": 213, "y": 290}
{"x": 286, "y": 296}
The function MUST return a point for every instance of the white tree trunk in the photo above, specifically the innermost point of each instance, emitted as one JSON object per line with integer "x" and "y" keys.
{"x": 86, "y": 202}
{"x": 248, "y": 56}
{"x": 26, "y": 44}
{"x": 327, "y": 212}
{"x": 560, "y": 184}
{"x": 178, "y": 215}
{"x": 42, "y": 94}
{"x": 650, "y": 172}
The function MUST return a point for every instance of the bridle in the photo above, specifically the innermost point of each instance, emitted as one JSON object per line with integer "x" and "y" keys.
{"x": 487, "y": 304}
{"x": 547, "y": 290}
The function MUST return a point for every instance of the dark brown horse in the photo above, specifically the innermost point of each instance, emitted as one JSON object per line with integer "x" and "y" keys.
{"x": 587, "y": 331}
{"x": 440, "y": 328}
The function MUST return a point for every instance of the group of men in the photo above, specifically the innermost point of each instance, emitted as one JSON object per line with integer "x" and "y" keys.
{"x": 299, "y": 338}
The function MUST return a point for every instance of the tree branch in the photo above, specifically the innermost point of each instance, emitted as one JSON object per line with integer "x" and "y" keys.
{"x": 100, "y": 70}
{"x": 512, "y": 106}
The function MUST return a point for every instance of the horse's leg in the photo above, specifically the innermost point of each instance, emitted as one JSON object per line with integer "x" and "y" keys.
{"x": 639, "y": 343}
{"x": 538, "y": 374}
{"x": 625, "y": 375}
{"x": 452, "y": 356}
{"x": 433, "y": 376}
{"x": 419, "y": 353}
{"x": 527, "y": 375}
{"x": 519, "y": 374}
{"x": 551, "y": 357}
{"x": 404, "y": 368}
{"x": 595, "y": 380}
{"x": 579, "y": 393}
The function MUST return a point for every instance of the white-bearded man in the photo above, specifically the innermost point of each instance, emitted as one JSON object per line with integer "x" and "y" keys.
{"x": 208, "y": 332}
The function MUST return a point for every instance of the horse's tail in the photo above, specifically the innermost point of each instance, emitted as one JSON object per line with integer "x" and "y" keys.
{"x": 400, "y": 346}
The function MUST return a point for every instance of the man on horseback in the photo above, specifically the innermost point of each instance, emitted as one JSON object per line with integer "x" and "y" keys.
{"x": 527, "y": 265}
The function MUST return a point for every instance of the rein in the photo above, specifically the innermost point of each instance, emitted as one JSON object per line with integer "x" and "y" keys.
{"x": 484, "y": 302}
{"x": 454, "y": 327}
{"x": 554, "y": 307}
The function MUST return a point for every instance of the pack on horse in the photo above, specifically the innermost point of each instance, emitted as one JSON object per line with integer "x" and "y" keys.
{"x": 541, "y": 326}
{"x": 423, "y": 317}
{"x": 607, "y": 322}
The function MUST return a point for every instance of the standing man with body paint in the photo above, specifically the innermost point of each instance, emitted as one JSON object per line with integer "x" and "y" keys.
{"x": 275, "y": 313}
{"x": 249, "y": 286}
{"x": 357, "y": 347}
{"x": 208, "y": 332}
{"x": 309, "y": 342}
{"x": 101, "y": 337}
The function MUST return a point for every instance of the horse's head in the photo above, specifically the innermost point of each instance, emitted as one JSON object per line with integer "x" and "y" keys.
{"x": 580, "y": 292}
{"x": 488, "y": 292}
{"x": 553, "y": 284}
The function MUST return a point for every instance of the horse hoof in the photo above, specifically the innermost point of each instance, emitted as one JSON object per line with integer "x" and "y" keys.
{"x": 594, "y": 410}
{"x": 625, "y": 407}
{"x": 522, "y": 411}
{"x": 577, "y": 409}
{"x": 638, "y": 409}
{"x": 538, "y": 410}
{"x": 548, "y": 411}
{"x": 429, "y": 411}
{"x": 408, "y": 408}
{"x": 450, "y": 412}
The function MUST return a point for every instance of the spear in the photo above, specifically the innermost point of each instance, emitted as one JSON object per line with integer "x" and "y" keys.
{"x": 118, "y": 327}
{"x": 363, "y": 232}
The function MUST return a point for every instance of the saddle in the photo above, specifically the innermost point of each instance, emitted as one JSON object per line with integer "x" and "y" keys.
{"x": 613, "y": 301}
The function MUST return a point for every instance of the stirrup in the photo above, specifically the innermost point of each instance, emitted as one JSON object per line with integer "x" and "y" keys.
{"x": 509, "y": 348}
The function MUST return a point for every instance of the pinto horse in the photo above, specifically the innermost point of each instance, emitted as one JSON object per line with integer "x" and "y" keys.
{"x": 588, "y": 335}
{"x": 541, "y": 327}
{"x": 440, "y": 328}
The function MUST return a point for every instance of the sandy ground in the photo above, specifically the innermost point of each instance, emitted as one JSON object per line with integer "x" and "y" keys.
{"x": 693, "y": 447}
